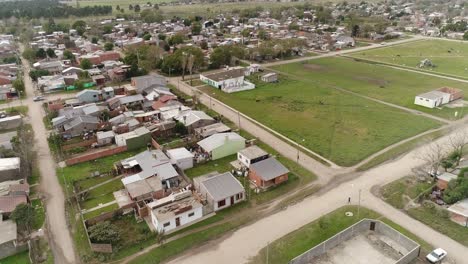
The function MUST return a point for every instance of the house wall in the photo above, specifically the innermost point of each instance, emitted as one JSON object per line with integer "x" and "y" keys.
{"x": 247, "y": 162}
{"x": 459, "y": 219}
{"x": 229, "y": 148}
{"x": 184, "y": 219}
{"x": 89, "y": 97}
{"x": 200, "y": 123}
{"x": 9, "y": 175}
{"x": 138, "y": 142}
{"x": 441, "y": 184}
{"x": 253, "y": 176}
{"x": 425, "y": 102}
{"x": 185, "y": 163}
{"x": 227, "y": 201}
{"x": 95, "y": 155}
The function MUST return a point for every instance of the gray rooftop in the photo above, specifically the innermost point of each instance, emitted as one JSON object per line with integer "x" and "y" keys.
{"x": 433, "y": 95}
{"x": 8, "y": 231}
{"x": 131, "y": 99}
{"x": 222, "y": 186}
{"x": 253, "y": 152}
{"x": 225, "y": 75}
{"x": 217, "y": 140}
{"x": 269, "y": 169}
{"x": 460, "y": 208}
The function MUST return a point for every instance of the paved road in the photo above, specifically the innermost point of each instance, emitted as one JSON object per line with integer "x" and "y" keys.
{"x": 58, "y": 232}
{"x": 247, "y": 241}
{"x": 48, "y": 97}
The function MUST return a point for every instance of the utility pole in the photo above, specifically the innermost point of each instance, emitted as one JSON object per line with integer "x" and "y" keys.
{"x": 267, "y": 252}
{"x": 359, "y": 203}
{"x": 238, "y": 118}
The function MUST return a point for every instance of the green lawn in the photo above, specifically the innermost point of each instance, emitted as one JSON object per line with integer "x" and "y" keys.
{"x": 397, "y": 193}
{"x": 100, "y": 211}
{"x": 312, "y": 234}
{"x": 102, "y": 194}
{"x": 380, "y": 82}
{"x": 40, "y": 214}
{"x": 90, "y": 182}
{"x": 450, "y": 57}
{"x": 339, "y": 126}
{"x": 20, "y": 258}
{"x": 220, "y": 165}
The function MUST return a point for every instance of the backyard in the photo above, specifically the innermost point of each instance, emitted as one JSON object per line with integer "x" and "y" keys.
{"x": 312, "y": 234}
{"x": 449, "y": 57}
{"x": 337, "y": 125}
{"x": 401, "y": 192}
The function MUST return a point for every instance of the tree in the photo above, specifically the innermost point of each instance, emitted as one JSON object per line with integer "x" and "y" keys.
{"x": 18, "y": 84}
{"x": 68, "y": 55}
{"x": 86, "y": 64}
{"x": 29, "y": 54}
{"x": 24, "y": 216}
{"x": 35, "y": 74}
{"x": 147, "y": 36}
{"x": 41, "y": 53}
{"x": 225, "y": 55}
{"x": 50, "y": 53}
{"x": 94, "y": 40}
{"x": 176, "y": 39}
{"x": 457, "y": 189}
{"x": 196, "y": 28}
{"x": 204, "y": 45}
{"x": 173, "y": 63}
{"x": 465, "y": 36}
{"x": 136, "y": 8}
{"x": 262, "y": 34}
{"x": 161, "y": 36}
{"x": 130, "y": 7}
{"x": 293, "y": 26}
{"x": 80, "y": 27}
{"x": 355, "y": 31}
{"x": 433, "y": 155}
{"x": 108, "y": 46}
{"x": 104, "y": 232}
{"x": 151, "y": 16}
{"x": 180, "y": 128}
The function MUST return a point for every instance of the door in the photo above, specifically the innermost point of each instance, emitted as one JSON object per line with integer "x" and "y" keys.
{"x": 232, "y": 200}
{"x": 372, "y": 226}
{"x": 177, "y": 221}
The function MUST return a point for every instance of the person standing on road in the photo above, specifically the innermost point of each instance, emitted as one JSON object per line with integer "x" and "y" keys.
{"x": 349, "y": 200}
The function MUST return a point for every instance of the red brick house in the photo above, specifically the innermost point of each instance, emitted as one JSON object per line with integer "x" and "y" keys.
{"x": 267, "y": 173}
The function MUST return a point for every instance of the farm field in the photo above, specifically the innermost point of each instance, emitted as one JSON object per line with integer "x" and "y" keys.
{"x": 339, "y": 126}
{"x": 450, "y": 57}
{"x": 380, "y": 82}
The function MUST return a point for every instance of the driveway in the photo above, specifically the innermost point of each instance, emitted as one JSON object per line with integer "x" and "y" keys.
{"x": 58, "y": 232}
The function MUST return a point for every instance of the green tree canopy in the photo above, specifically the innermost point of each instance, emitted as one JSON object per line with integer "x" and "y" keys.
{"x": 24, "y": 216}
{"x": 104, "y": 232}
{"x": 80, "y": 27}
{"x": 86, "y": 64}
{"x": 50, "y": 53}
{"x": 108, "y": 46}
{"x": 68, "y": 55}
{"x": 224, "y": 55}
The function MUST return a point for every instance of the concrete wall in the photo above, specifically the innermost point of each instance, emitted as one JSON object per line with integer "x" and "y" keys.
{"x": 360, "y": 227}
{"x": 85, "y": 143}
{"x": 9, "y": 249}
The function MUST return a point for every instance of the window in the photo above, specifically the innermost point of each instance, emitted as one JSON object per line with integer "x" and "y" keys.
{"x": 191, "y": 214}
{"x": 166, "y": 224}
{"x": 239, "y": 196}
{"x": 222, "y": 203}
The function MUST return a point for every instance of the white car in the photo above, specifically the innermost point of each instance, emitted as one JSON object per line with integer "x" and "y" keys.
{"x": 38, "y": 98}
{"x": 436, "y": 255}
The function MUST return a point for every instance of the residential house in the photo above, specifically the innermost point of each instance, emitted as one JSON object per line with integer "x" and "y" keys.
{"x": 5, "y": 140}
{"x": 439, "y": 97}
{"x": 52, "y": 67}
{"x": 132, "y": 101}
{"x": 72, "y": 71}
{"x": 81, "y": 124}
{"x": 88, "y": 96}
{"x": 10, "y": 122}
{"x": 270, "y": 77}
{"x": 8, "y": 239}
{"x": 444, "y": 179}
{"x": 10, "y": 169}
{"x": 105, "y": 137}
{"x": 220, "y": 191}
{"x": 8, "y": 203}
{"x": 51, "y": 83}
{"x": 107, "y": 92}
{"x": 206, "y": 131}
{"x": 146, "y": 83}
{"x": 268, "y": 172}
{"x": 181, "y": 157}
{"x": 170, "y": 217}
{"x": 195, "y": 119}
{"x": 251, "y": 155}
{"x": 7, "y": 91}
{"x": 229, "y": 81}
{"x": 135, "y": 139}
{"x": 459, "y": 212}
{"x": 221, "y": 145}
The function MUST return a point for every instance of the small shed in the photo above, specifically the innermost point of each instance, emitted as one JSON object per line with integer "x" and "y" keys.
{"x": 251, "y": 155}
{"x": 444, "y": 179}
{"x": 459, "y": 212}
{"x": 105, "y": 138}
{"x": 181, "y": 157}
{"x": 267, "y": 173}
{"x": 270, "y": 77}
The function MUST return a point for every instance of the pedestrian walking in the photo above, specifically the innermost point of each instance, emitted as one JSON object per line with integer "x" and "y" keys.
{"x": 349, "y": 200}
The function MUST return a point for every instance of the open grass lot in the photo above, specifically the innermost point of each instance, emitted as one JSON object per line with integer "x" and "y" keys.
{"x": 450, "y": 57}
{"x": 339, "y": 126}
{"x": 399, "y": 192}
{"x": 102, "y": 194}
{"x": 380, "y": 82}
{"x": 20, "y": 258}
{"x": 310, "y": 235}
{"x": 40, "y": 214}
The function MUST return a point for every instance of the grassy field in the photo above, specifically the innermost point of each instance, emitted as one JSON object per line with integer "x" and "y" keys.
{"x": 398, "y": 193}
{"x": 339, "y": 126}
{"x": 310, "y": 235}
{"x": 102, "y": 194}
{"x": 450, "y": 57}
{"x": 376, "y": 81}
{"x": 20, "y": 258}
{"x": 40, "y": 214}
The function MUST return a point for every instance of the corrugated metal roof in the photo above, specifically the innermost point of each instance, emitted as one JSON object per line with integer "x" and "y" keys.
{"x": 217, "y": 140}
{"x": 269, "y": 169}
{"x": 222, "y": 186}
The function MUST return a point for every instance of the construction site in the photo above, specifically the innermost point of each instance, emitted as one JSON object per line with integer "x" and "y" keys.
{"x": 366, "y": 242}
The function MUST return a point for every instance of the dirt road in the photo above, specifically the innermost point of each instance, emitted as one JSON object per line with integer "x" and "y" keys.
{"x": 247, "y": 241}
{"x": 58, "y": 233}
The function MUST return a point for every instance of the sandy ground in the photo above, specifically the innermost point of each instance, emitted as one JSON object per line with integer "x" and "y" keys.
{"x": 59, "y": 235}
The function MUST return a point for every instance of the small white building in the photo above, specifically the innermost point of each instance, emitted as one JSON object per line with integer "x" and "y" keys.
{"x": 181, "y": 157}
{"x": 251, "y": 155}
{"x": 228, "y": 81}
{"x": 270, "y": 77}
{"x": 105, "y": 137}
{"x": 176, "y": 214}
{"x": 432, "y": 99}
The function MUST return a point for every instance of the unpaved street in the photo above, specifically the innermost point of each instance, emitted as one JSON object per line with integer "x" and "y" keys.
{"x": 247, "y": 241}
{"x": 59, "y": 235}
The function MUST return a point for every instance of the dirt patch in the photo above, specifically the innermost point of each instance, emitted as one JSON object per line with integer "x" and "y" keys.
{"x": 379, "y": 82}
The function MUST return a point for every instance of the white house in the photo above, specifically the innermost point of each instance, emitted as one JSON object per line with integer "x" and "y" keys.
{"x": 176, "y": 214}
{"x": 221, "y": 191}
{"x": 251, "y": 155}
{"x": 181, "y": 157}
{"x": 432, "y": 99}
{"x": 229, "y": 81}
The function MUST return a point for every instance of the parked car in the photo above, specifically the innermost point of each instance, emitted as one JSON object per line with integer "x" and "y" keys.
{"x": 436, "y": 255}
{"x": 38, "y": 98}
